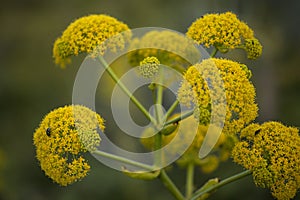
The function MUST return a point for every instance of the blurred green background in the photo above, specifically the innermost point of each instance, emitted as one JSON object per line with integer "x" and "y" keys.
{"x": 31, "y": 85}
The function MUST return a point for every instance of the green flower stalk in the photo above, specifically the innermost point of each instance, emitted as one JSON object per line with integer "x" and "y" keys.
{"x": 272, "y": 152}
{"x": 63, "y": 135}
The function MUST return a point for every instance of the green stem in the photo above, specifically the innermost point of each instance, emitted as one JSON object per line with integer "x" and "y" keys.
{"x": 214, "y": 52}
{"x": 124, "y": 160}
{"x": 171, "y": 109}
{"x": 157, "y": 146}
{"x": 189, "y": 180}
{"x": 159, "y": 113}
{"x": 159, "y": 96}
{"x": 124, "y": 88}
{"x": 233, "y": 178}
{"x": 170, "y": 185}
{"x": 155, "y": 106}
{"x": 180, "y": 117}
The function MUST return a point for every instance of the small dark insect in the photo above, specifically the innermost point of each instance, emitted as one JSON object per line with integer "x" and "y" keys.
{"x": 48, "y": 131}
{"x": 256, "y": 132}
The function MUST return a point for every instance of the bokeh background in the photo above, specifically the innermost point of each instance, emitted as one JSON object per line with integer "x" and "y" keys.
{"x": 31, "y": 85}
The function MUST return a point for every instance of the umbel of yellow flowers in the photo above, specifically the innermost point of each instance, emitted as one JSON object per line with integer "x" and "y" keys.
{"x": 87, "y": 35}
{"x": 225, "y": 32}
{"x": 241, "y": 108}
{"x": 272, "y": 152}
{"x": 162, "y": 45}
{"x": 149, "y": 67}
{"x": 63, "y": 135}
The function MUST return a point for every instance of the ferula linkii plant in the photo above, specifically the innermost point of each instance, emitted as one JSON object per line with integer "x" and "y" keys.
{"x": 270, "y": 151}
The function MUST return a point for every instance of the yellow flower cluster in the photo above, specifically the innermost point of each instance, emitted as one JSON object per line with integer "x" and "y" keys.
{"x": 221, "y": 151}
{"x": 170, "y": 48}
{"x": 90, "y": 34}
{"x": 272, "y": 152}
{"x": 200, "y": 86}
{"x": 223, "y": 31}
{"x": 63, "y": 135}
{"x": 149, "y": 67}
{"x": 253, "y": 48}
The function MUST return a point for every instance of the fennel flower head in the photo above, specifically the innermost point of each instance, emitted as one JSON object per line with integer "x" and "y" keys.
{"x": 170, "y": 48}
{"x": 272, "y": 152}
{"x": 199, "y": 87}
{"x": 221, "y": 151}
{"x": 89, "y": 35}
{"x": 225, "y": 32}
{"x": 61, "y": 139}
{"x": 149, "y": 67}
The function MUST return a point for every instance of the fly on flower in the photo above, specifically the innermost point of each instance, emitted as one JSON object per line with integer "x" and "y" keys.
{"x": 48, "y": 131}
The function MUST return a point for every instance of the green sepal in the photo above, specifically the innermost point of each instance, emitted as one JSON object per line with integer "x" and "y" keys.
{"x": 141, "y": 174}
{"x": 207, "y": 185}
{"x": 167, "y": 130}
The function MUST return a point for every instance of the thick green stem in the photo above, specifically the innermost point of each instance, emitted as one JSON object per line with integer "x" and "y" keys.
{"x": 154, "y": 94}
{"x": 233, "y": 178}
{"x": 180, "y": 117}
{"x": 170, "y": 185}
{"x": 158, "y": 154}
{"x": 124, "y": 160}
{"x": 159, "y": 113}
{"x": 159, "y": 96}
{"x": 124, "y": 88}
{"x": 189, "y": 180}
